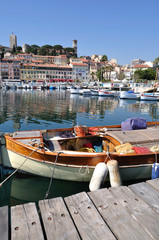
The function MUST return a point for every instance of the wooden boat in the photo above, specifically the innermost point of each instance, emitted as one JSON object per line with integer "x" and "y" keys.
{"x": 69, "y": 155}
{"x": 149, "y": 97}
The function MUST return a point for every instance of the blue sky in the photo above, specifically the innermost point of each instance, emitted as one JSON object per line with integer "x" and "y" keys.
{"x": 121, "y": 29}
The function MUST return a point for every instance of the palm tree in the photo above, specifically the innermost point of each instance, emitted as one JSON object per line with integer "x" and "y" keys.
{"x": 108, "y": 70}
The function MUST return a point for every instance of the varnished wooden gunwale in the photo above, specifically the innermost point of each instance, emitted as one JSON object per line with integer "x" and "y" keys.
{"x": 68, "y": 159}
{"x": 74, "y": 158}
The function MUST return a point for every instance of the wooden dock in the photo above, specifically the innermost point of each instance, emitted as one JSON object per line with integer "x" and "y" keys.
{"x": 125, "y": 213}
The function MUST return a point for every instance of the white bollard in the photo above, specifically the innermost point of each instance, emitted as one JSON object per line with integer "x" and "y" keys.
{"x": 114, "y": 174}
{"x": 98, "y": 177}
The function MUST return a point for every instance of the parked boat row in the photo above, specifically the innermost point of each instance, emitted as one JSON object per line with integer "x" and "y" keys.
{"x": 121, "y": 94}
{"x": 94, "y": 92}
{"x": 32, "y": 86}
{"x": 139, "y": 96}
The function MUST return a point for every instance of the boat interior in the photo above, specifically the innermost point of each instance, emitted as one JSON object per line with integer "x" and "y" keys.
{"x": 102, "y": 140}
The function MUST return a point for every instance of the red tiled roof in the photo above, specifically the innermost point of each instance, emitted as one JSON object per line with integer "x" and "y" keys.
{"x": 79, "y": 64}
{"x": 141, "y": 66}
{"x": 46, "y": 65}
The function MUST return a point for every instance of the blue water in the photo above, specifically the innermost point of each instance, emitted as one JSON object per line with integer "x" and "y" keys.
{"x": 26, "y": 110}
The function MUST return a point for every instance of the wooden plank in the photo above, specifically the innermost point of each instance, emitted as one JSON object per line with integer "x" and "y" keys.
{"x": 154, "y": 183}
{"x": 4, "y": 226}
{"x": 118, "y": 218}
{"x": 57, "y": 221}
{"x": 25, "y": 223}
{"x": 147, "y": 193}
{"x": 136, "y": 136}
{"x": 88, "y": 221}
{"x": 146, "y": 216}
{"x": 27, "y": 134}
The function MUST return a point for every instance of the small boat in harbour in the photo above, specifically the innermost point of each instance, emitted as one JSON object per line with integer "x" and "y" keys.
{"x": 149, "y": 97}
{"x": 73, "y": 155}
{"x": 106, "y": 93}
{"x": 129, "y": 95}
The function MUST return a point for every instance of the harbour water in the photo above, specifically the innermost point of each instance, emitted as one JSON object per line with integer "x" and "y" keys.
{"x": 34, "y": 109}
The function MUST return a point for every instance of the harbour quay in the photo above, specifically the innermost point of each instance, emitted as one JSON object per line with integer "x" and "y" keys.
{"x": 124, "y": 212}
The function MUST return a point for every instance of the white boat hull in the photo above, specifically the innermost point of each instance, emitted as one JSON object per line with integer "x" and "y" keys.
{"x": 69, "y": 172}
{"x": 149, "y": 98}
{"x": 106, "y": 93}
{"x": 95, "y": 92}
{"x": 125, "y": 95}
{"x": 74, "y": 91}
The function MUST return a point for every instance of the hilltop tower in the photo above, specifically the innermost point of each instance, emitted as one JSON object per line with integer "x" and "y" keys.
{"x": 75, "y": 46}
{"x": 13, "y": 41}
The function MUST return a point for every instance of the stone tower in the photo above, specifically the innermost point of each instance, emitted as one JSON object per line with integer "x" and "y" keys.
{"x": 13, "y": 41}
{"x": 75, "y": 46}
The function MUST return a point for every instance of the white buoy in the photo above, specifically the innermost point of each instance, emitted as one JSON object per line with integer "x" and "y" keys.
{"x": 114, "y": 174}
{"x": 99, "y": 176}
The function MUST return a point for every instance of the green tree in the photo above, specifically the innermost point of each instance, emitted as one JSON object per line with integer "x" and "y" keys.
{"x": 92, "y": 75}
{"x": 69, "y": 49}
{"x": 53, "y": 52}
{"x": 14, "y": 49}
{"x": 35, "y": 46}
{"x": 43, "y": 51}
{"x": 104, "y": 58}
{"x": 99, "y": 73}
{"x": 121, "y": 76}
{"x": 108, "y": 70}
{"x": 47, "y": 46}
{"x": 57, "y": 47}
{"x": 148, "y": 74}
{"x": 19, "y": 48}
{"x": 2, "y": 51}
{"x": 156, "y": 61}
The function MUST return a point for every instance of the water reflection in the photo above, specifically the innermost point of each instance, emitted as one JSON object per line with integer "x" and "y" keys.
{"x": 24, "y": 188}
{"x": 22, "y": 110}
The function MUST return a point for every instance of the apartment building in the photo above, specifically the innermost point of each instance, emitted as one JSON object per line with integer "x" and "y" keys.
{"x": 139, "y": 66}
{"x": 25, "y": 55}
{"x": 60, "y": 60}
{"x": 10, "y": 69}
{"x": 44, "y": 59}
{"x": 45, "y": 72}
{"x": 80, "y": 71}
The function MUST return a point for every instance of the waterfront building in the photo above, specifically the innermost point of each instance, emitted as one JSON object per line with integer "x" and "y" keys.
{"x": 13, "y": 41}
{"x": 45, "y": 72}
{"x": 80, "y": 71}
{"x": 9, "y": 69}
{"x": 44, "y": 59}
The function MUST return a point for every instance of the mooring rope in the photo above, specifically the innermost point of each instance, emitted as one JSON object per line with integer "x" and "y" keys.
{"x": 48, "y": 191}
{"x": 18, "y": 167}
